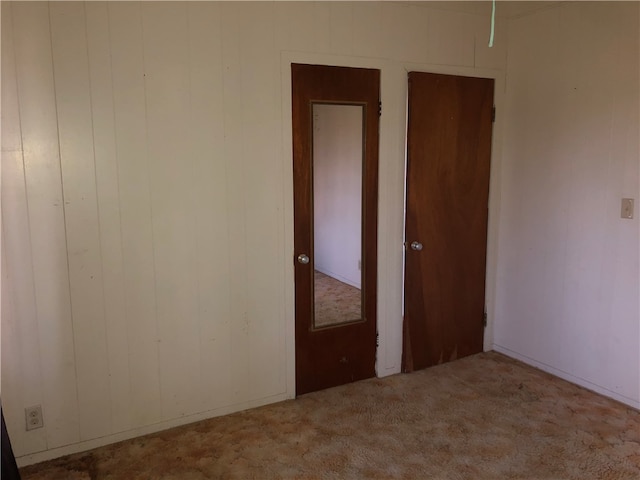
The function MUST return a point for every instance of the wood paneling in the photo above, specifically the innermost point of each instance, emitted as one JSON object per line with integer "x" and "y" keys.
{"x": 136, "y": 216}
{"x": 107, "y": 192}
{"x": 441, "y": 49}
{"x": 75, "y": 132}
{"x": 11, "y": 136}
{"x": 206, "y": 141}
{"x": 567, "y": 299}
{"x": 167, "y": 102}
{"x": 162, "y": 126}
{"x": 39, "y": 127}
{"x": 408, "y": 25}
{"x": 236, "y": 221}
{"x": 19, "y": 348}
{"x": 260, "y": 99}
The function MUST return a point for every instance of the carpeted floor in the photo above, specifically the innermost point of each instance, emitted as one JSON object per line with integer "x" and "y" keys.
{"x": 335, "y": 302}
{"x": 482, "y": 417}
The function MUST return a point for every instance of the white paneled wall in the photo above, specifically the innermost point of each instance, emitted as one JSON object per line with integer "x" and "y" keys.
{"x": 50, "y": 336}
{"x": 147, "y": 227}
{"x": 146, "y": 200}
{"x": 568, "y": 277}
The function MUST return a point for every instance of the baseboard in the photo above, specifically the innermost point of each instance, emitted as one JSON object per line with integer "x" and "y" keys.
{"x": 568, "y": 377}
{"x": 340, "y": 278}
{"x": 386, "y": 372}
{"x": 45, "y": 455}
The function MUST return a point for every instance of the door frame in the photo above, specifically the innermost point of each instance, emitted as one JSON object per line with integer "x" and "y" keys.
{"x": 391, "y": 201}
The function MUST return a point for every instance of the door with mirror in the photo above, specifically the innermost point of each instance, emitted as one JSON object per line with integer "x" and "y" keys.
{"x": 335, "y": 158}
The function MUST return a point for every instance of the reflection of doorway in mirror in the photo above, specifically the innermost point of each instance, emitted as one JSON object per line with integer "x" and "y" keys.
{"x": 337, "y": 219}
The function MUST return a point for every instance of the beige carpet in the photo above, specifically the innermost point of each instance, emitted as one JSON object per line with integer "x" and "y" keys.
{"x": 482, "y": 417}
{"x": 335, "y": 301}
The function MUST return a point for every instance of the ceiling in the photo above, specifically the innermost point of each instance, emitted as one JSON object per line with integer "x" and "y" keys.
{"x": 521, "y": 8}
{"x": 505, "y": 9}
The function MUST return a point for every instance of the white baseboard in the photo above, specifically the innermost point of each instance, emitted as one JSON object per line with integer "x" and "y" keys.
{"x": 337, "y": 277}
{"x": 568, "y": 377}
{"x": 386, "y": 372}
{"x": 146, "y": 430}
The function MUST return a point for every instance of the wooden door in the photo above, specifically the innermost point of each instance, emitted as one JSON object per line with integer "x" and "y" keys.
{"x": 448, "y": 160}
{"x": 342, "y": 352}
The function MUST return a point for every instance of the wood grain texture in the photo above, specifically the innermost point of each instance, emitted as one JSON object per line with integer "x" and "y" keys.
{"x": 320, "y": 354}
{"x": 448, "y": 152}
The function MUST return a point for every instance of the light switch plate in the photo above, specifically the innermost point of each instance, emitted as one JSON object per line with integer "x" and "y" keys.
{"x": 627, "y": 208}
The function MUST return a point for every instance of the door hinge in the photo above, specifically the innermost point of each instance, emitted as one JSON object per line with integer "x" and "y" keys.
{"x": 379, "y": 109}
{"x": 484, "y": 319}
{"x": 377, "y": 339}
{"x": 493, "y": 114}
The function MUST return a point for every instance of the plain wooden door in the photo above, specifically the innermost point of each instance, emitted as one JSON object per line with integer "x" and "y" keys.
{"x": 448, "y": 160}
{"x": 338, "y": 354}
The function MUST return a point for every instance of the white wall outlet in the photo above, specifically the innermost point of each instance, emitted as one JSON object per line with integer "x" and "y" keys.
{"x": 33, "y": 416}
{"x": 627, "y": 208}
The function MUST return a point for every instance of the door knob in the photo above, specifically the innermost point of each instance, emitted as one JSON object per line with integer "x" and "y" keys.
{"x": 417, "y": 246}
{"x": 303, "y": 259}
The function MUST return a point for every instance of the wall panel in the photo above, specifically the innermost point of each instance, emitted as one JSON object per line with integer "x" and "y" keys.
{"x": 39, "y": 128}
{"x": 136, "y": 215}
{"x": 409, "y": 27}
{"x": 568, "y": 281}
{"x": 107, "y": 192}
{"x": 366, "y": 27}
{"x": 206, "y": 148}
{"x": 260, "y": 83}
{"x": 154, "y": 201}
{"x": 22, "y": 381}
{"x": 171, "y": 175}
{"x": 73, "y": 101}
{"x": 236, "y": 165}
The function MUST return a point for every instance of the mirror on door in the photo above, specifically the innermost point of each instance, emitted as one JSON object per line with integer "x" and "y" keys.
{"x": 337, "y": 213}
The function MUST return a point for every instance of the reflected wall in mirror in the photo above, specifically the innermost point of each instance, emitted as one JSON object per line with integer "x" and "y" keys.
{"x": 337, "y": 213}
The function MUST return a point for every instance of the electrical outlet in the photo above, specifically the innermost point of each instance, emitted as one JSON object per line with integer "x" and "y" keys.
{"x": 33, "y": 417}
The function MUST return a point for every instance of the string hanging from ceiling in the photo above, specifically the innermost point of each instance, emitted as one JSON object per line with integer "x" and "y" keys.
{"x": 493, "y": 23}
